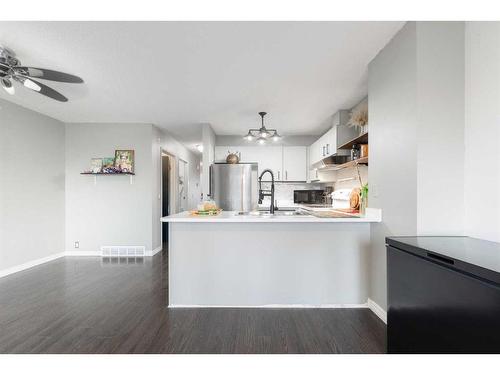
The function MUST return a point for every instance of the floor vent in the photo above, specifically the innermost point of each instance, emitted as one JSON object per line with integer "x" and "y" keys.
{"x": 123, "y": 251}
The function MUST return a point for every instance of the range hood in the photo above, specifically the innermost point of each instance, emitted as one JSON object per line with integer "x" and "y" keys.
{"x": 331, "y": 162}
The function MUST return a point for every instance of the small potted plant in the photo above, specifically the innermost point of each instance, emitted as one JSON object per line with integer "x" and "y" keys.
{"x": 364, "y": 199}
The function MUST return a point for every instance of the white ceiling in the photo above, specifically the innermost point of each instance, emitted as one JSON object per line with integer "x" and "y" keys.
{"x": 180, "y": 74}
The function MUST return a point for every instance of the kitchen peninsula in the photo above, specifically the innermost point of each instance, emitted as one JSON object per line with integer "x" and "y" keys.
{"x": 263, "y": 260}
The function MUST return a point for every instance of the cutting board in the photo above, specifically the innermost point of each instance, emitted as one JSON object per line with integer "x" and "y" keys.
{"x": 355, "y": 198}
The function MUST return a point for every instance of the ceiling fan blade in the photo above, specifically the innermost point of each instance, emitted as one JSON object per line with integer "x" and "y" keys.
{"x": 40, "y": 88}
{"x": 51, "y": 75}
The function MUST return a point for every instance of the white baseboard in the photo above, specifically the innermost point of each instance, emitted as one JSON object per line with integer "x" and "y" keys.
{"x": 68, "y": 253}
{"x": 274, "y": 306}
{"x": 377, "y": 310}
{"x": 155, "y": 251}
{"x": 33, "y": 263}
{"x": 83, "y": 253}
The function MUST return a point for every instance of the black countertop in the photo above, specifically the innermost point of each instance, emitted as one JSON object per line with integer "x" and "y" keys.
{"x": 479, "y": 258}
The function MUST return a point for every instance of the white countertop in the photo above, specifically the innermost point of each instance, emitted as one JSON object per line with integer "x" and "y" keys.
{"x": 372, "y": 216}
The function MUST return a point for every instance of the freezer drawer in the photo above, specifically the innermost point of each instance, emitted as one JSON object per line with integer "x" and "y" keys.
{"x": 435, "y": 308}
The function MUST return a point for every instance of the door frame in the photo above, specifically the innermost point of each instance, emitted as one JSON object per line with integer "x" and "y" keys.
{"x": 172, "y": 204}
{"x": 186, "y": 179}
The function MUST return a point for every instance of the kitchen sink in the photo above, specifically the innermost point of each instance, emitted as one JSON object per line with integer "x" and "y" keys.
{"x": 276, "y": 213}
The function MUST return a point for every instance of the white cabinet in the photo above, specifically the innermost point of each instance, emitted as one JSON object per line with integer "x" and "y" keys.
{"x": 337, "y": 135}
{"x": 327, "y": 144}
{"x": 294, "y": 163}
{"x": 313, "y": 153}
{"x": 268, "y": 157}
{"x": 323, "y": 147}
{"x": 313, "y": 175}
{"x": 288, "y": 163}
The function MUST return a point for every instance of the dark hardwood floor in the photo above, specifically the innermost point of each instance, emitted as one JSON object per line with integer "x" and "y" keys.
{"x": 88, "y": 305}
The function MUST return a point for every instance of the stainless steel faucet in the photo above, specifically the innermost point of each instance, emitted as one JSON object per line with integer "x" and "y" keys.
{"x": 267, "y": 193}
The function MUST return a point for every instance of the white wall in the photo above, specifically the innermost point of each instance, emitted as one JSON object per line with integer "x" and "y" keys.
{"x": 163, "y": 140}
{"x": 112, "y": 212}
{"x": 393, "y": 152}
{"x": 342, "y": 174}
{"x": 482, "y": 130}
{"x": 440, "y": 129}
{"x": 31, "y": 186}
{"x": 416, "y": 112}
{"x": 209, "y": 140}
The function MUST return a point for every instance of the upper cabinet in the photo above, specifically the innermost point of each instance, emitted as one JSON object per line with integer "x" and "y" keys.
{"x": 294, "y": 163}
{"x": 268, "y": 157}
{"x": 288, "y": 163}
{"x": 338, "y": 134}
{"x": 344, "y": 132}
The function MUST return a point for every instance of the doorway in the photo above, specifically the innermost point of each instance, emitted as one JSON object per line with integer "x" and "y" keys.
{"x": 183, "y": 187}
{"x": 167, "y": 203}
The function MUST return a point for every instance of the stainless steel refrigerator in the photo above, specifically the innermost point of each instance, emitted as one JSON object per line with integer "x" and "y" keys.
{"x": 234, "y": 187}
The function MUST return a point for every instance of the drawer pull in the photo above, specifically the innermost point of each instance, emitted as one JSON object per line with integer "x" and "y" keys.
{"x": 440, "y": 258}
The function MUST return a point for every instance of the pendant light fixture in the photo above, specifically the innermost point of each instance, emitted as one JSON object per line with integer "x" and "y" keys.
{"x": 263, "y": 134}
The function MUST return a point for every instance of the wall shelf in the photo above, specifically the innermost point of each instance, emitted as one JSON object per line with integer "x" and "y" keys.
{"x": 349, "y": 164}
{"x": 109, "y": 174}
{"x": 363, "y": 138}
{"x": 130, "y": 174}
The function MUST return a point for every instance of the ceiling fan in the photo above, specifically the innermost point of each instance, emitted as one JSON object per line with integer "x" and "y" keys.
{"x": 11, "y": 71}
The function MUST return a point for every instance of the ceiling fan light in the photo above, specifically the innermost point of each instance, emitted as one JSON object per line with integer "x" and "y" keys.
{"x": 263, "y": 133}
{"x": 8, "y": 86}
{"x": 31, "y": 85}
{"x": 261, "y": 141}
{"x": 276, "y": 137}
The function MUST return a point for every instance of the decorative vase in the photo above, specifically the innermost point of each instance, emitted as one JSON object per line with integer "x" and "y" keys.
{"x": 232, "y": 159}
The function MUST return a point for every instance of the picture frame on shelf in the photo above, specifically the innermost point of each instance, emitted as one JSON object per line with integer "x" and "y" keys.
{"x": 108, "y": 165}
{"x": 124, "y": 161}
{"x": 96, "y": 165}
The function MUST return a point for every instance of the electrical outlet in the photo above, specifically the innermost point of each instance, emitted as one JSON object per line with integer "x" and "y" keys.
{"x": 77, "y": 244}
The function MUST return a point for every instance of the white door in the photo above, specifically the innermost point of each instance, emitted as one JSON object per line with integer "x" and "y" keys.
{"x": 316, "y": 151}
{"x": 270, "y": 157}
{"x": 267, "y": 157}
{"x": 331, "y": 142}
{"x": 183, "y": 185}
{"x": 295, "y": 163}
{"x": 313, "y": 175}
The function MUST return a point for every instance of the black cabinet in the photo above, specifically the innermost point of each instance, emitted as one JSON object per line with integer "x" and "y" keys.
{"x": 443, "y": 295}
